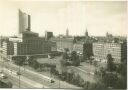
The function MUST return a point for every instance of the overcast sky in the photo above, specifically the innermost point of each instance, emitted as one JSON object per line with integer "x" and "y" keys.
{"x": 98, "y": 17}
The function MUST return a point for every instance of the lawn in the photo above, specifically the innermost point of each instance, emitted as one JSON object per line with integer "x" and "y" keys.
{"x": 84, "y": 67}
{"x": 54, "y": 61}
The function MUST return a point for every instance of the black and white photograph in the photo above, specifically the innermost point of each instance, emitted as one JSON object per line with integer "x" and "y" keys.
{"x": 63, "y": 44}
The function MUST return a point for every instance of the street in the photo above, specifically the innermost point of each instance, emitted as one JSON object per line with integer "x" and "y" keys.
{"x": 32, "y": 76}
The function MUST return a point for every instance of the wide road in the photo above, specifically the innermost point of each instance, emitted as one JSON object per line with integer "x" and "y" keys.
{"x": 41, "y": 79}
{"x": 21, "y": 81}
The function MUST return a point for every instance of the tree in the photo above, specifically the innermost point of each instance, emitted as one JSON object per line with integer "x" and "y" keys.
{"x": 75, "y": 58}
{"x": 121, "y": 83}
{"x": 33, "y": 63}
{"x": 65, "y": 57}
{"x": 71, "y": 74}
{"x": 109, "y": 79}
{"x": 19, "y": 60}
{"x": 86, "y": 85}
{"x": 87, "y": 50}
{"x": 97, "y": 86}
{"x": 77, "y": 78}
{"x": 110, "y": 64}
{"x": 122, "y": 69}
{"x": 52, "y": 69}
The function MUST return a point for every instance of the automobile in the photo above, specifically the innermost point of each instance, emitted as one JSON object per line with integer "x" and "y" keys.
{"x": 52, "y": 81}
{"x": 3, "y": 76}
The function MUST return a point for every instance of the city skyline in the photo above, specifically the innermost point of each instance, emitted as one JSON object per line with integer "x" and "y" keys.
{"x": 63, "y": 44}
{"x": 57, "y": 16}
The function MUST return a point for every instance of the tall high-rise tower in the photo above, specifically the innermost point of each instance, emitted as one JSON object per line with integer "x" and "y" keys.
{"x": 24, "y": 22}
{"x": 67, "y": 32}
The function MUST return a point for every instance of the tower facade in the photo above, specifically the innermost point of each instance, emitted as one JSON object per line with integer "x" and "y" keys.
{"x": 48, "y": 35}
{"x": 86, "y": 33}
{"x": 67, "y": 32}
{"x": 24, "y": 22}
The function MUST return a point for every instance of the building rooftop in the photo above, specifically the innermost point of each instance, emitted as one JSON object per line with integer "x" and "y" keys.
{"x": 62, "y": 39}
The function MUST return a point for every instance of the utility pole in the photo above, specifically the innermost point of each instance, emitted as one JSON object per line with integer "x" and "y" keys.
{"x": 3, "y": 64}
{"x": 59, "y": 83}
{"x": 59, "y": 80}
{"x": 19, "y": 76}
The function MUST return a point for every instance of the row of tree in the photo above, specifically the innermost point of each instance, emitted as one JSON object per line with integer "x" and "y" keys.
{"x": 114, "y": 75}
{"x": 73, "y": 59}
{"x": 32, "y": 62}
{"x": 19, "y": 60}
{"x": 75, "y": 79}
{"x": 5, "y": 84}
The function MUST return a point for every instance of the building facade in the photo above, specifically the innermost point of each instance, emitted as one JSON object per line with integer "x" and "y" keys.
{"x": 24, "y": 22}
{"x": 27, "y": 42}
{"x": 30, "y": 44}
{"x": 117, "y": 50}
{"x": 78, "y": 47}
{"x": 67, "y": 33}
{"x": 63, "y": 43}
{"x": 48, "y": 35}
{"x": 7, "y": 48}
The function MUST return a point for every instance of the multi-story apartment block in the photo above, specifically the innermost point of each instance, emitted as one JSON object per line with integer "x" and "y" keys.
{"x": 63, "y": 43}
{"x": 7, "y": 48}
{"x": 117, "y": 50}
